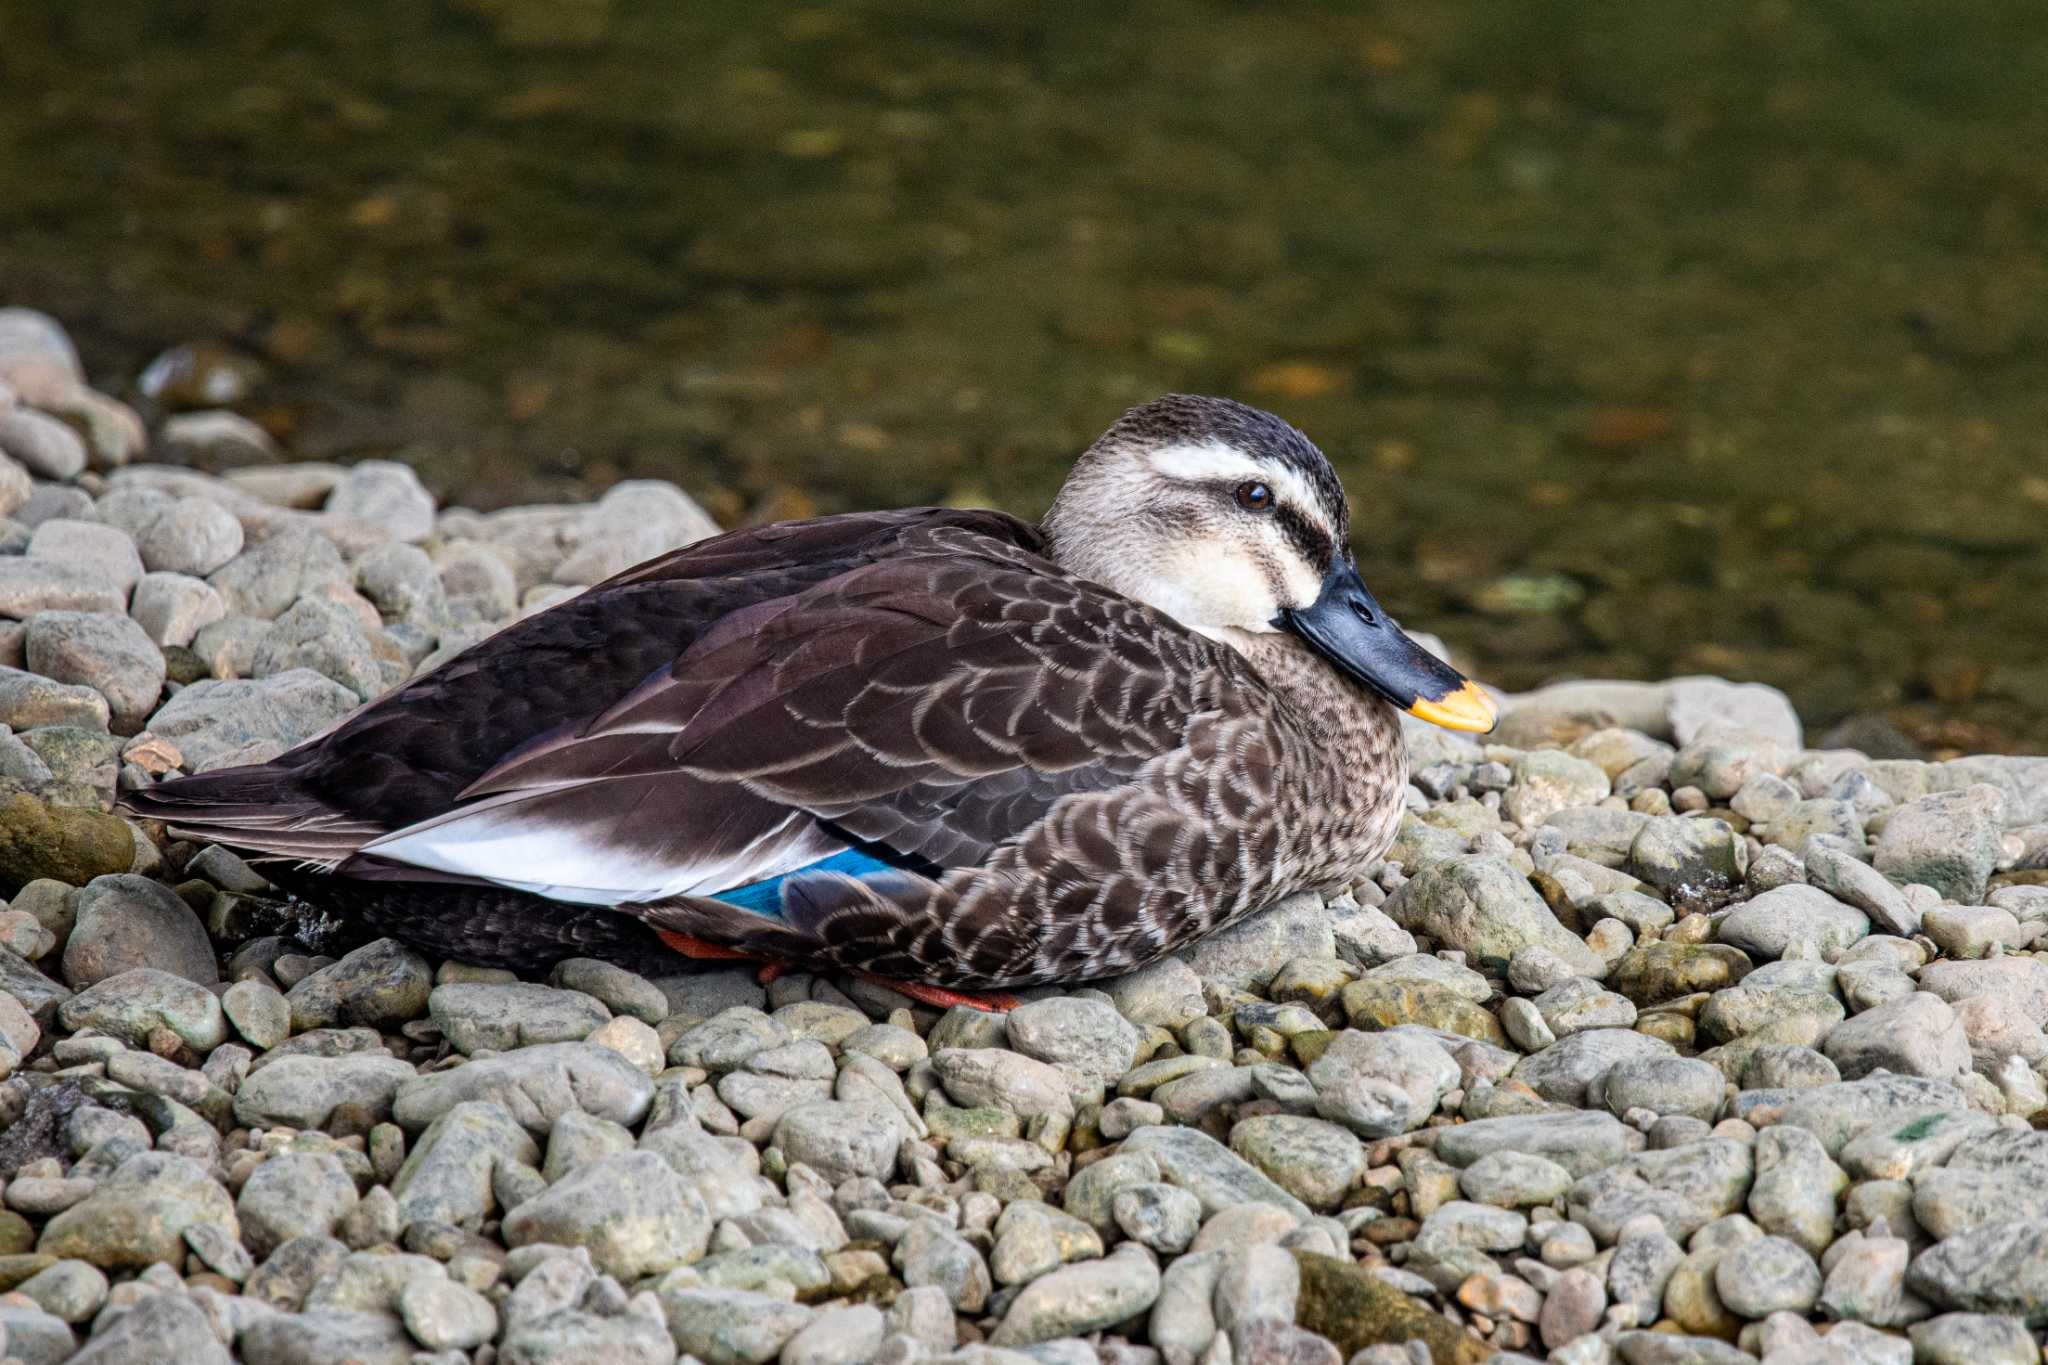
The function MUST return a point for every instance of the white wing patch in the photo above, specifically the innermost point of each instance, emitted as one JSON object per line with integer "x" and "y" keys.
{"x": 507, "y": 843}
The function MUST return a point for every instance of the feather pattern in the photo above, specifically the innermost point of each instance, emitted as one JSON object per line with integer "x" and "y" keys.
{"x": 906, "y": 743}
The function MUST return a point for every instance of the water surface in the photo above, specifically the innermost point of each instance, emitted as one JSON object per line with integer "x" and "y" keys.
{"x": 1648, "y": 337}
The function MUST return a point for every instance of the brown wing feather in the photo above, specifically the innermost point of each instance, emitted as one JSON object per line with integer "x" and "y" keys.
{"x": 938, "y": 701}
{"x": 410, "y": 754}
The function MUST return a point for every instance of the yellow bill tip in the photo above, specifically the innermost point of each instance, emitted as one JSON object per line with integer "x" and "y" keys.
{"x": 1468, "y": 708}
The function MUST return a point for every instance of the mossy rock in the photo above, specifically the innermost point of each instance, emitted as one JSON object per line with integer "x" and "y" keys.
{"x": 14, "y": 1270}
{"x": 1382, "y": 1002}
{"x": 1355, "y": 1309}
{"x": 1306, "y": 1047}
{"x": 61, "y": 843}
{"x": 1660, "y": 971}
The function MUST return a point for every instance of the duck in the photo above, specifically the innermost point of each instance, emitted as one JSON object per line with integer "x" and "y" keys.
{"x": 946, "y": 750}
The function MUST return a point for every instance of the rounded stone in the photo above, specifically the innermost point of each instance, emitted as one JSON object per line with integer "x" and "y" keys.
{"x": 1766, "y": 1276}
{"x": 1316, "y": 1161}
{"x": 840, "y": 1140}
{"x": 1514, "y": 1180}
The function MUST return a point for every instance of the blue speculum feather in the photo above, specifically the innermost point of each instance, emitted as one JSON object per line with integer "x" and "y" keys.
{"x": 765, "y": 897}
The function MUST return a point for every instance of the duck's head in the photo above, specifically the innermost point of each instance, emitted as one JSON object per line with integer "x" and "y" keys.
{"x": 1233, "y": 523}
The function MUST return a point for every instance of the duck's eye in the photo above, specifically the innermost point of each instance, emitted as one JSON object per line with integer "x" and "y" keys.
{"x": 1254, "y": 496}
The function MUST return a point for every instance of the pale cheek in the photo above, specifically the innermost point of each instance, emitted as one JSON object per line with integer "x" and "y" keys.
{"x": 1303, "y": 586}
{"x": 1209, "y": 590}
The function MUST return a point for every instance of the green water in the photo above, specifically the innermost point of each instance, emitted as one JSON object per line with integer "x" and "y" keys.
{"x": 1648, "y": 337}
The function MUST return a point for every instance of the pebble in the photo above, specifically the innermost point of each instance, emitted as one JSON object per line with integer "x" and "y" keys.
{"x": 133, "y": 1004}
{"x": 1484, "y": 907}
{"x": 445, "y": 1316}
{"x": 1914, "y": 1035}
{"x": 1086, "y": 1037}
{"x": 304, "y": 1091}
{"x": 105, "y": 650}
{"x": 1005, "y": 1079}
{"x": 1947, "y": 840}
{"x": 1380, "y": 1084}
{"x": 1765, "y": 1276}
{"x": 478, "y": 1017}
{"x": 219, "y": 722}
{"x": 138, "y": 1215}
{"x": 40, "y": 444}
{"x": 1248, "y": 954}
{"x": 1663, "y": 1085}
{"x": 127, "y": 922}
{"x": 88, "y": 546}
{"x": 1566, "y": 1070}
{"x": 1686, "y": 1187}
{"x": 1163, "y": 1217}
{"x": 1316, "y": 1161}
{"x": 293, "y": 1194}
{"x": 841, "y": 1141}
{"x": 1514, "y": 1180}
{"x": 1973, "y": 1339}
{"x": 535, "y": 1085}
{"x": 1078, "y": 1299}
{"x": 633, "y": 1212}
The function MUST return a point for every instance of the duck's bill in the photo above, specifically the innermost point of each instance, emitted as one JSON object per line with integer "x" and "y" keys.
{"x": 1346, "y": 626}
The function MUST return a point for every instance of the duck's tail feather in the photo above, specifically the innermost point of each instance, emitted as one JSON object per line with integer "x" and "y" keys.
{"x": 260, "y": 808}
{"x": 481, "y": 924}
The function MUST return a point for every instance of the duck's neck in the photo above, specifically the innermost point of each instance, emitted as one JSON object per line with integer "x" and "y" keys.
{"x": 1349, "y": 717}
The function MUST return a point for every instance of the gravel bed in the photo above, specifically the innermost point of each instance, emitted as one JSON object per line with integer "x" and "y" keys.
{"x": 1657, "y": 1037}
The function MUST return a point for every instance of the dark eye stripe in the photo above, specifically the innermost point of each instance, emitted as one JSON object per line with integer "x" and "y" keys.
{"x": 1307, "y": 538}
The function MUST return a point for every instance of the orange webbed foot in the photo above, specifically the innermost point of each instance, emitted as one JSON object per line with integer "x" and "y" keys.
{"x": 938, "y": 997}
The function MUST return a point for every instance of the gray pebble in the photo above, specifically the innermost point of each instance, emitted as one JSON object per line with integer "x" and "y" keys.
{"x": 293, "y": 1194}
{"x": 1765, "y": 1276}
{"x": 105, "y": 650}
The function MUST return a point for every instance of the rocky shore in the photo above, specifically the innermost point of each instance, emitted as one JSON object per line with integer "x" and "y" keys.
{"x": 1658, "y": 1038}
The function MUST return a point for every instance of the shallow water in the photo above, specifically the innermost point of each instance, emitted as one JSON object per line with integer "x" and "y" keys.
{"x": 1648, "y": 337}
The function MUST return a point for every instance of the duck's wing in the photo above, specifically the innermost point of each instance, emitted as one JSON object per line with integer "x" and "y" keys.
{"x": 919, "y": 710}
{"x": 410, "y": 754}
